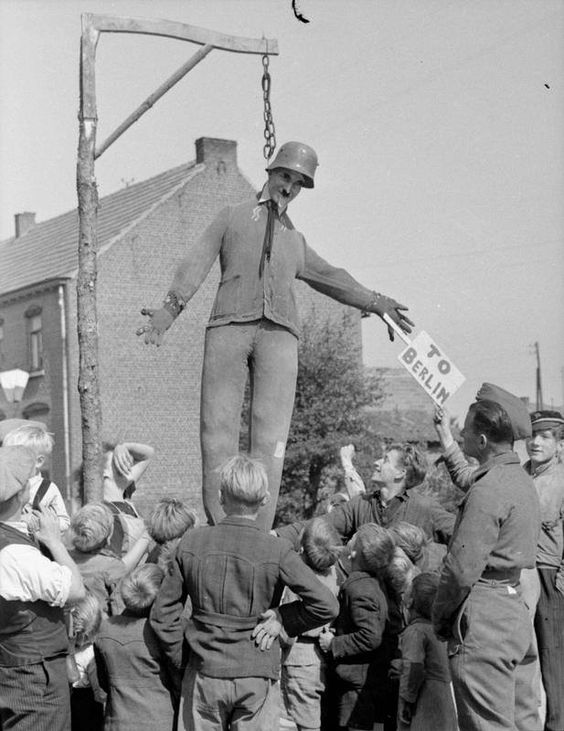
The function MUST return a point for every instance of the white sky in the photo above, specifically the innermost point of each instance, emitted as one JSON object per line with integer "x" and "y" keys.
{"x": 438, "y": 125}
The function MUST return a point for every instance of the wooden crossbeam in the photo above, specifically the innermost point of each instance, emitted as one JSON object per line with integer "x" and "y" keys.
{"x": 172, "y": 29}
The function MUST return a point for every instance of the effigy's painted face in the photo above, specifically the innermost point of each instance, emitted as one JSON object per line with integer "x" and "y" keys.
{"x": 283, "y": 186}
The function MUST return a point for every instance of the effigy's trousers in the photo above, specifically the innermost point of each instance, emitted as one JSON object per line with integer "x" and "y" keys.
{"x": 268, "y": 354}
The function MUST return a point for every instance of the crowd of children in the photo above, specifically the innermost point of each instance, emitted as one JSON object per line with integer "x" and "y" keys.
{"x": 115, "y": 623}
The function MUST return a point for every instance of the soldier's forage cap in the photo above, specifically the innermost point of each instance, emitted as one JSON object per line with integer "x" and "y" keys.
{"x": 541, "y": 420}
{"x": 16, "y": 467}
{"x": 514, "y": 407}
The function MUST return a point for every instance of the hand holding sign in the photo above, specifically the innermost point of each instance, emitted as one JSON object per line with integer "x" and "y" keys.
{"x": 429, "y": 365}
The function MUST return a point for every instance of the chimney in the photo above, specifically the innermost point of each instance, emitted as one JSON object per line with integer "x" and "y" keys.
{"x": 221, "y": 154}
{"x": 24, "y": 221}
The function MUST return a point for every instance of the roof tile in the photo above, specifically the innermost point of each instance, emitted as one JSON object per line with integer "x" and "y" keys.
{"x": 50, "y": 249}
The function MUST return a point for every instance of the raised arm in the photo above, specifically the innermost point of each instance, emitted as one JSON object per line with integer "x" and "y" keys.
{"x": 131, "y": 459}
{"x": 353, "y": 481}
{"x": 341, "y": 286}
{"x": 50, "y": 536}
{"x": 188, "y": 278}
{"x": 461, "y": 473}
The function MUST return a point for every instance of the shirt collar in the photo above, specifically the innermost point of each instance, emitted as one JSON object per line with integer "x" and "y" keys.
{"x": 503, "y": 458}
{"x": 36, "y": 480}
{"x": 19, "y": 525}
{"x": 241, "y": 521}
{"x": 401, "y": 498}
{"x": 536, "y": 471}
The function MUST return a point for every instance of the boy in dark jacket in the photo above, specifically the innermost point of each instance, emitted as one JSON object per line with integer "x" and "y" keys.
{"x": 364, "y": 644}
{"x": 234, "y": 574}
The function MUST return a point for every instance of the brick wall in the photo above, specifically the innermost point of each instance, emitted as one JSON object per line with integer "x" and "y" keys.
{"x": 45, "y": 388}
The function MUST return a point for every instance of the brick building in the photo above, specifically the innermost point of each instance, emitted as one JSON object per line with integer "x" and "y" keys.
{"x": 148, "y": 395}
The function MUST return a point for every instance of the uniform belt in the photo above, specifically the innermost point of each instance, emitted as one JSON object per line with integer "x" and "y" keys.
{"x": 508, "y": 576}
{"x": 307, "y": 640}
{"x": 229, "y": 621}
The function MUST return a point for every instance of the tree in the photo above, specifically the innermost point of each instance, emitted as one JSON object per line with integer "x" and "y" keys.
{"x": 332, "y": 392}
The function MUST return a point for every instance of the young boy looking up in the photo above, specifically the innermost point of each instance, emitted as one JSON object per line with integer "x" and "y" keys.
{"x": 42, "y": 492}
{"x": 234, "y": 574}
{"x": 363, "y": 647}
{"x": 34, "y": 692}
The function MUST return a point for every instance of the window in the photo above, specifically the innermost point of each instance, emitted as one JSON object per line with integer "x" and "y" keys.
{"x": 36, "y": 412}
{"x": 35, "y": 338}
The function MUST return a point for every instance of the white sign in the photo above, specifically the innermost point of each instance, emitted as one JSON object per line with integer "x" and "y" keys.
{"x": 432, "y": 368}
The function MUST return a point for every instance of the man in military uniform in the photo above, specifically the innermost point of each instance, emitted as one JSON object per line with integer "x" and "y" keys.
{"x": 479, "y": 608}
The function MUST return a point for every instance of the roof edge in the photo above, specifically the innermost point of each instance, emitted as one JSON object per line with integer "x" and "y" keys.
{"x": 22, "y": 292}
{"x": 195, "y": 170}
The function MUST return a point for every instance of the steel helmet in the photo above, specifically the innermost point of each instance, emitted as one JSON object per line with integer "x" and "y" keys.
{"x": 298, "y": 157}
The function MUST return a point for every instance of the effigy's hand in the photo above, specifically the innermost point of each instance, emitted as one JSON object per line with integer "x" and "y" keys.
{"x": 382, "y": 305}
{"x": 159, "y": 322}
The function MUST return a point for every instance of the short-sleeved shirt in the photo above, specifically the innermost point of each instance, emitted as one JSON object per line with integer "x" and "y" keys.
{"x": 27, "y": 575}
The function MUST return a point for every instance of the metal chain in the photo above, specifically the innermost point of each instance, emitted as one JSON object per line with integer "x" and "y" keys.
{"x": 269, "y": 131}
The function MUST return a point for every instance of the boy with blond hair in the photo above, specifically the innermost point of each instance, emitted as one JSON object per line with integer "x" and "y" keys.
{"x": 101, "y": 569}
{"x": 42, "y": 492}
{"x": 168, "y": 522}
{"x": 234, "y": 574}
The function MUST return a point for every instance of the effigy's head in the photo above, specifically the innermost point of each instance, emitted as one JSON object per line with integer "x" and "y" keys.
{"x": 298, "y": 158}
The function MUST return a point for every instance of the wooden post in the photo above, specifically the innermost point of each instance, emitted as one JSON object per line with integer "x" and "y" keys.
{"x": 87, "y": 321}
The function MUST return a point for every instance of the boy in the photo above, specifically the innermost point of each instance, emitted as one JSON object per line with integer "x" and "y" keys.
{"x": 168, "y": 522}
{"x": 234, "y": 574}
{"x": 544, "y": 466}
{"x": 41, "y": 490}
{"x": 91, "y": 529}
{"x": 34, "y": 692}
{"x": 124, "y": 464}
{"x": 130, "y": 661}
{"x": 363, "y": 647}
{"x": 303, "y": 662}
